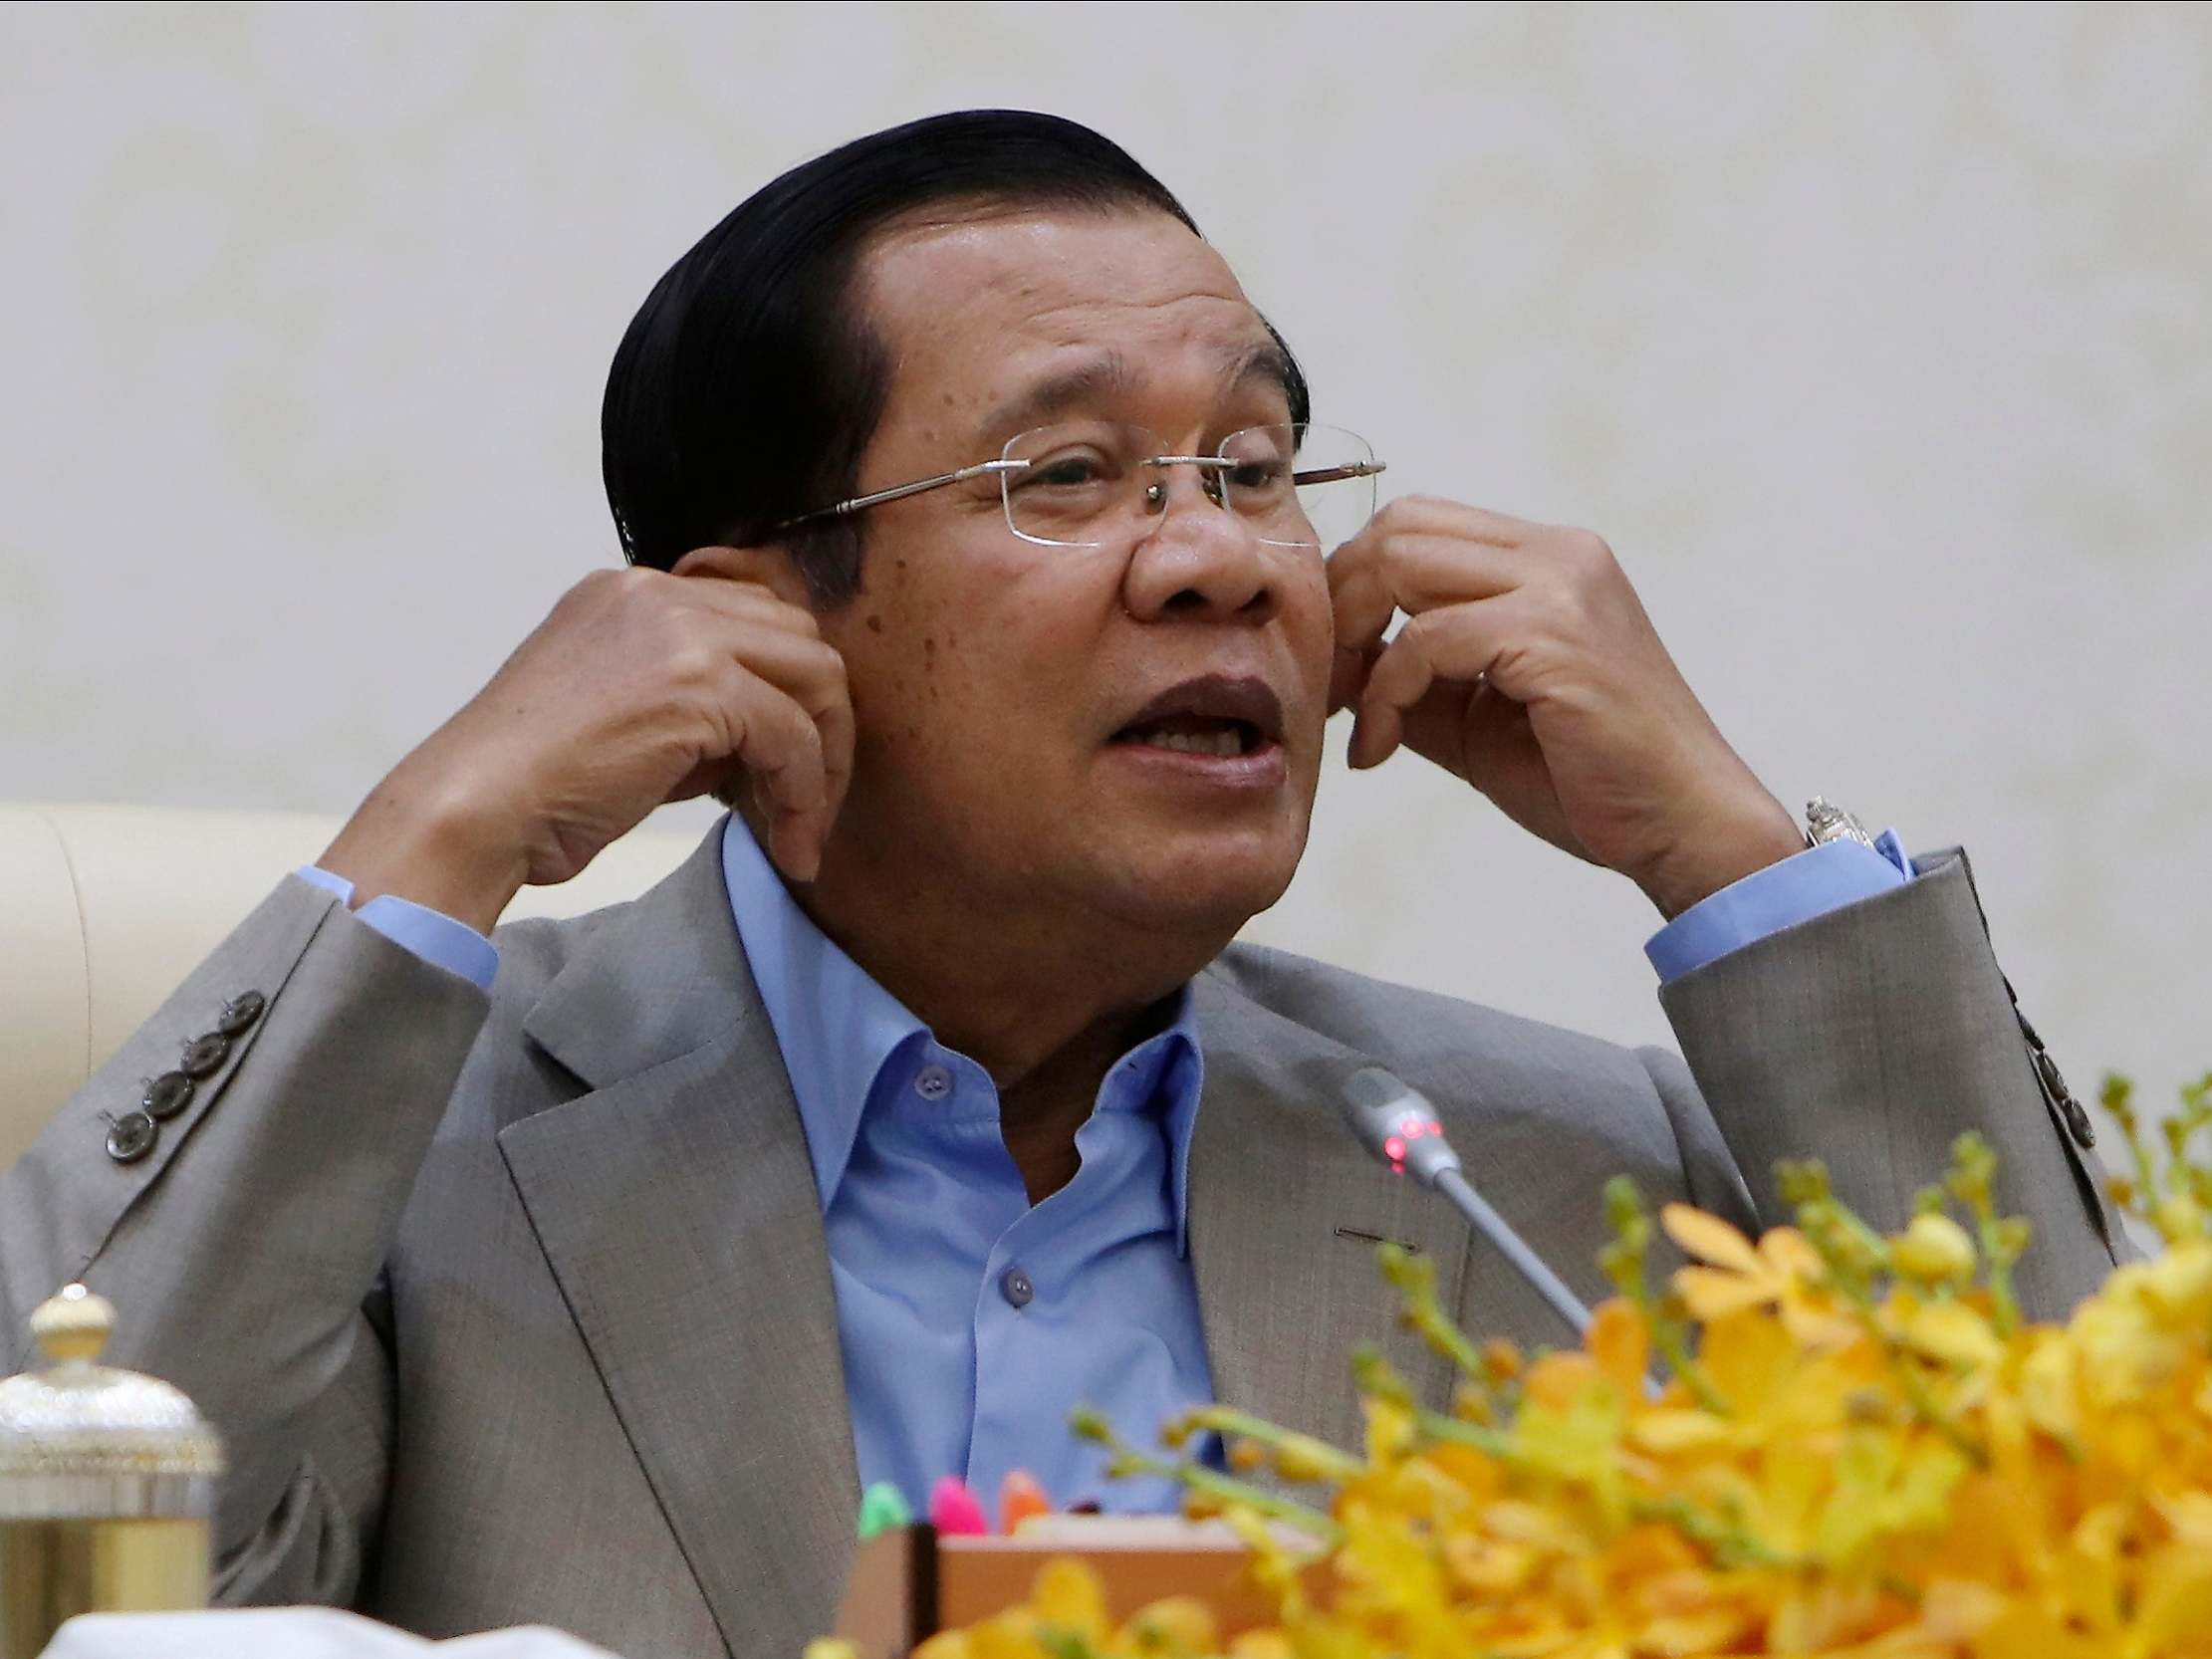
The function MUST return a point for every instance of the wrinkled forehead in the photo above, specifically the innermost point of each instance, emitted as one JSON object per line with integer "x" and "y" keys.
{"x": 995, "y": 324}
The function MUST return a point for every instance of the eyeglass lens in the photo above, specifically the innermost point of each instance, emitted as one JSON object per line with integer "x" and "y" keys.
{"x": 1095, "y": 483}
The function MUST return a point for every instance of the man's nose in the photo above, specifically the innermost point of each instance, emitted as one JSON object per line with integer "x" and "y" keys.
{"x": 1198, "y": 557}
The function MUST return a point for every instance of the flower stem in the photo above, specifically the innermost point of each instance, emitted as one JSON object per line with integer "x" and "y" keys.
{"x": 1192, "y": 1477}
{"x": 1330, "y": 1463}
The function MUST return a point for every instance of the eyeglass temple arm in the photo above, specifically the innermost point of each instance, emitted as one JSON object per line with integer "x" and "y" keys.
{"x": 1314, "y": 475}
{"x": 1329, "y": 475}
{"x": 900, "y": 492}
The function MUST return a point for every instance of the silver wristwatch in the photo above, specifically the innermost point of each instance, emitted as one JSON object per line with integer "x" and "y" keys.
{"x": 1826, "y": 822}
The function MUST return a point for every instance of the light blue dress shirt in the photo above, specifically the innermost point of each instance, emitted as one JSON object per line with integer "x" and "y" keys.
{"x": 1814, "y": 882}
{"x": 432, "y": 935}
{"x": 971, "y": 1321}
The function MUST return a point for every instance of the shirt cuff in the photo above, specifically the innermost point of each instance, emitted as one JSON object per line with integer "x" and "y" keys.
{"x": 1796, "y": 889}
{"x": 432, "y": 935}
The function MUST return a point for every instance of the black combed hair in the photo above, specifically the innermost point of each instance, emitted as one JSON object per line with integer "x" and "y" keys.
{"x": 748, "y": 385}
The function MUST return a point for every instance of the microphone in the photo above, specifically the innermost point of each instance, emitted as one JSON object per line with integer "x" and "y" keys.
{"x": 1395, "y": 1123}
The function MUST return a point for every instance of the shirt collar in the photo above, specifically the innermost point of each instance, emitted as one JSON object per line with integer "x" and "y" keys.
{"x": 838, "y": 1028}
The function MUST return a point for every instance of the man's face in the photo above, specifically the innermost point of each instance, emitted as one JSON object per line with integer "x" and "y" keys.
{"x": 1014, "y": 701}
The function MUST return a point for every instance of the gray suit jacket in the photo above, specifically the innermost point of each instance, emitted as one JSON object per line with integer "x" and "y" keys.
{"x": 517, "y": 1309}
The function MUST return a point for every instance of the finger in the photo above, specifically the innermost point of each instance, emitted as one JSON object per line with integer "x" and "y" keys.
{"x": 831, "y": 707}
{"x": 811, "y": 672}
{"x": 796, "y": 841}
{"x": 1458, "y": 728}
{"x": 1430, "y": 516}
{"x": 1439, "y": 516}
{"x": 749, "y": 604}
{"x": 761, "y": 664}
{"x": 809, "y": 675}
{"x": 742, "y": 595}
{"x": 780, "y": 748}
{"x": 1374, "y": 578}
{"x": 1457, "y": 646}
{"x": 767, "y": 567}
{"x": 801, "y": 664}
{"x": 1348, "y": 675}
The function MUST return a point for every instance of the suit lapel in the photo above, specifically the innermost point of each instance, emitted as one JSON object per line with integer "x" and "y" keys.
{"x": 1284, "y": 1210}
{"x": 676, "y": 1205}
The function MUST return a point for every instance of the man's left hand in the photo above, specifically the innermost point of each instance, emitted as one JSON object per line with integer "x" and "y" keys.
{"x": 1528, "y": 667}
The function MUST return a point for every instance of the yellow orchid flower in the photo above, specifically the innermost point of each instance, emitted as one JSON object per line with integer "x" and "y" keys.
{"x": 1952, "y": 1332}
{"x": 1173, "y": 1627}
{"x": 1780, "y": 1271}
{"x": 1933, "y": 1249}
{"x": 1071, "y": 1600}
{"x": 1864, "y": 1453}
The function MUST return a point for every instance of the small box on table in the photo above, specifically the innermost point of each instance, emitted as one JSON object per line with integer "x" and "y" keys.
{"x": 910, "y": 1584}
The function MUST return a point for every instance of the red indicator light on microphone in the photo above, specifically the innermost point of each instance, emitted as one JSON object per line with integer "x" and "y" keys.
{"x": 1394, "y": 1149}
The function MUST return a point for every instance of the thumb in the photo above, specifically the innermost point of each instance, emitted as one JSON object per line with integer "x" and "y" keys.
{"x": 1348, "y": 675}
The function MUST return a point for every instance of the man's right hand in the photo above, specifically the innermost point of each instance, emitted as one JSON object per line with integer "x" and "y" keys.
{"x": 639, "y": 688}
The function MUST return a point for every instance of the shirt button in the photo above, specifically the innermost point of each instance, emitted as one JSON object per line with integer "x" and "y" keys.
{"x": 933, "y": 1082}
{"x": 1015, "y": 1287}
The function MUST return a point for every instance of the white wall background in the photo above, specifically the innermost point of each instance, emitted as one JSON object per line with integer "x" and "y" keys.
{"x": 1877, "y": 341}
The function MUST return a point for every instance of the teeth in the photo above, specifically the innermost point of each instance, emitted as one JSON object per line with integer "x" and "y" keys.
{"x": 1224, "y": 743}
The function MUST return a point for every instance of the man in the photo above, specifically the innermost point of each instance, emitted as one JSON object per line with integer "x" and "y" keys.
{"x": 584, "y": 1276}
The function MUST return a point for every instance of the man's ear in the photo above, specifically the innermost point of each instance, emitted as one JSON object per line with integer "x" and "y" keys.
{"x": 770, "y": 565}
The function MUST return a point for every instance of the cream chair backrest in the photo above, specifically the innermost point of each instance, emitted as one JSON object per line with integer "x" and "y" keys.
{"x": 105, "y": 909}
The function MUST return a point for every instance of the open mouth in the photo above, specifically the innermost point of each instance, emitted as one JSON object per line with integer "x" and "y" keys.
{"x": 1214, "y": 716}
{"x": 1188, "y": 736}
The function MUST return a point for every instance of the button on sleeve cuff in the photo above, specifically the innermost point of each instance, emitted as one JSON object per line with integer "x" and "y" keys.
{"x": 432, "y": 935}
{"x": 1797, "y": 889}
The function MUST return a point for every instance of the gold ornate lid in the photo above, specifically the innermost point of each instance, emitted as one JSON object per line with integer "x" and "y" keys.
{"x": 76, "y": 1424}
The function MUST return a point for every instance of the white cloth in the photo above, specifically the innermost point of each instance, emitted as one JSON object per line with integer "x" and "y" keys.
{"x": 291, "y": 1633}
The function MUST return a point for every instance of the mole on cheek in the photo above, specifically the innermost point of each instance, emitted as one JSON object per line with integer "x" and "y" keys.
{"x": 875, "y": 625}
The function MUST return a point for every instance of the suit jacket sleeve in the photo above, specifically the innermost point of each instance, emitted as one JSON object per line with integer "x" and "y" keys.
{"x": 243, "y": 1251}
{"x": 1871, "y": 1038}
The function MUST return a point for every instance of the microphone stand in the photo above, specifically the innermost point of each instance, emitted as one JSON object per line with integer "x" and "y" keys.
{"x": 1399, "y": 1126}
{"x": 1508, "y": 1244}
